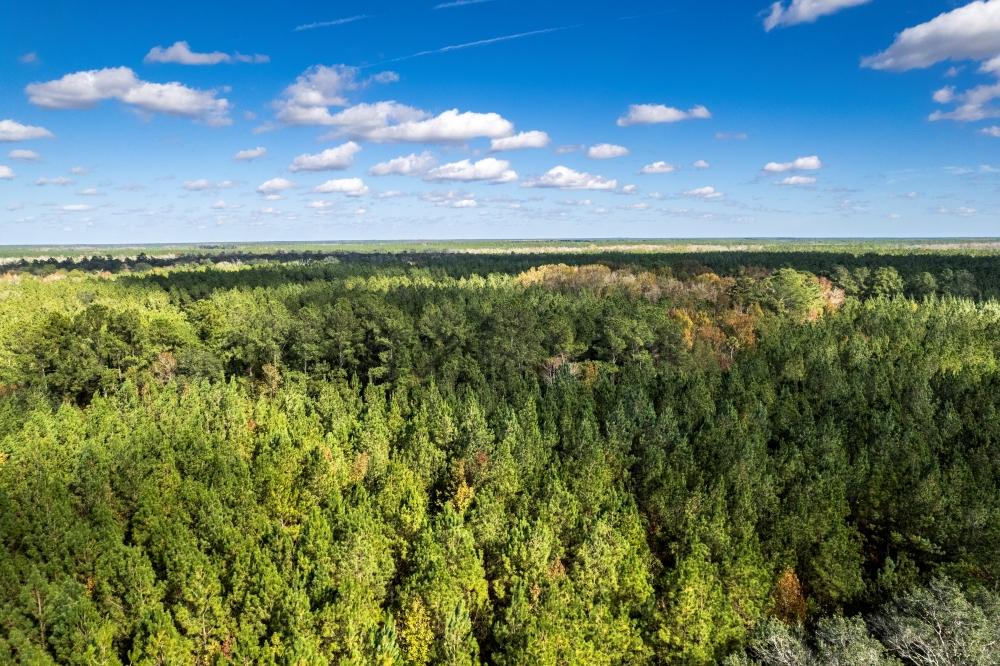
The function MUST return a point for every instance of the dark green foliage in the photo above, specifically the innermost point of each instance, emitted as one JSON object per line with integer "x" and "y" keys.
{"x": 416, "y": 459}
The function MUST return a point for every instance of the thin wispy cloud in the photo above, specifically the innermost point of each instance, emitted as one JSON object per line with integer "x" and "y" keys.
{"x": 460, "y": 3}
{"x": 330, "y": 24}
{"x": 482, "y": 42}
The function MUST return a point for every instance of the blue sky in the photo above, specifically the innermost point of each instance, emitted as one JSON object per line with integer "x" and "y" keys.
{"x": 122, "y": 122}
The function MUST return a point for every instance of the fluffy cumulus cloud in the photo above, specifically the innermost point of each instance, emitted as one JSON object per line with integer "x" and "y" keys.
{"x": 354, "y": 122}
{"x": 810, "y": 163}
{"x": 972, "y": 105}
{"x": 971, "y": 32}
{"x": 490, "y": 170}
{"x": 24, "y": 155}
{"x": 533, "y": 139}
{"x": 564, "y": 178}
{"x": 316, "y": 89}
{"x": 307, "y": 101}
{"x": 275, "y": 186}
{"x": 944, "y": 95}
{"x": 6, "y": 173}
{"x": 250, "y": 154}
{"x": 657, "y": 167}
{"x": 993, "y": 131}
{"x": 701, "y": 164}
{"x": 798, "y": 181}
{"x": 451, "y": 126}
{"x": 330, "y": 159}
{"x": 606, "y": 151}
{"x": 11, "y": 130}
{"x": 180, "y": 53}
{"x": 406, "y": 165}
{"x": 85, "y": 89}
{"x": 707, "y": 192}
{"x": 781, "y": 15}
{"x": 352, "y": 187}
{"x": 652, "y": 114}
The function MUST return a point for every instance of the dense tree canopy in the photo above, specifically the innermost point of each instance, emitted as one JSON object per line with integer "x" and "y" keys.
{"x": 433, "y": 459}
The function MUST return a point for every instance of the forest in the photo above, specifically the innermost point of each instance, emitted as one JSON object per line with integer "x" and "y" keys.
{"x": 781, "y": 456}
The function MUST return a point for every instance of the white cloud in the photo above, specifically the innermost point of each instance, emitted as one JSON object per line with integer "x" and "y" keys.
{"x": 197, "y": 185}
{"x": 657, "y": 167}
{"x": 805, "y": 11}
{"x": 76, "y": 208}
{"x": 340, "y": 157}
{"x": 944, "y": 95}
{"x": 606, "y": 151}
{"x": 362, "y": 119}
{"x": 250, "y": 154}
{"x": 30, "y": 58}
{"x": 203, "y": 184}
{"x": 78, "y": 171}
{"x": 406, "y": 165}
{"x": 465, "y": 203}
{"x": 6, "y": 173}
{"x": 810, "y": 163}
{"x": 701, "y": 164}
{"x": 489, "y": 169}
{"x": 651, "y": 114}
{"x": 974, "y": 104}
{"x": 222, "y": 204}
{"x": 59, "y": 180}
{"x": 24, "y": 155}
{"x": 459, "y": 3}
{"x": 961, "y": 211}
{"x": 707, "y": 192}
{"x": 798, "y": 181}
{"x": 180, "y": 53}
{"x": 89, "y": 192}
{"x": 993, "y": 131}
{"x": 178, "y": 100}
{"x": 275, "y": 185}
{"x": 11, "y": 130}
{"x": 320, "y": 205}
{"x": 564, "y": 178}
{"x": 448, "y": 127}
{"x": 321, "y": 86}
{"x": 971, "y": 32}
{"x": 482, "y": 42}
{"x": 630, "y": 189}
{"x": 328, "y": 24}
{"x": 85, "y": 89}
{"x": 533, "y": 139}
{"x": 307, "y": 101}
{"x": 352, "y": 187}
